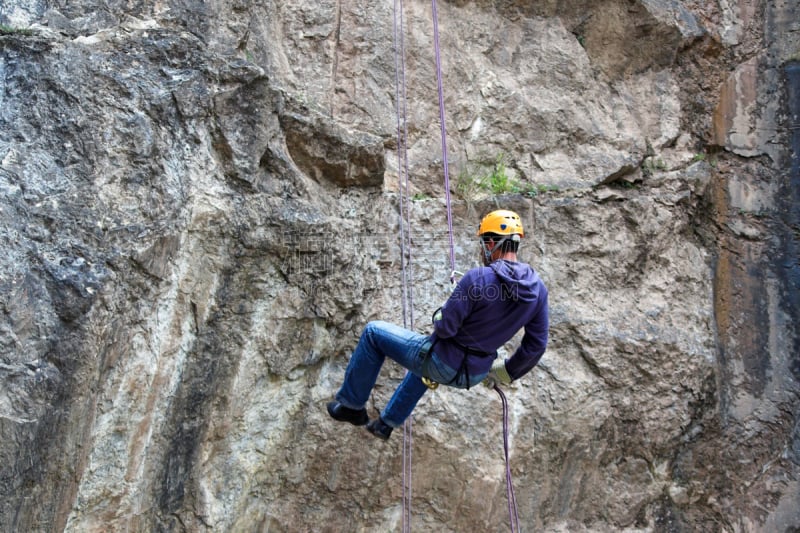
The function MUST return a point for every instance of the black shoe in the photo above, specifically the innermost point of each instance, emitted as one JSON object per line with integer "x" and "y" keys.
{"x": 357, "y": 417}
{"x": 379, "y": 428}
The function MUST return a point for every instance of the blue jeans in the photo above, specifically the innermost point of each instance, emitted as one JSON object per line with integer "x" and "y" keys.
{"x": 380, "y": 340}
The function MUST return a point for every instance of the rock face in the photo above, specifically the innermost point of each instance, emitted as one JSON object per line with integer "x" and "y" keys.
{"x": 200, "y": 211}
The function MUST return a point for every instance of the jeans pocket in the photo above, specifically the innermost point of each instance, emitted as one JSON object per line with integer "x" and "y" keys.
{"x": 436, "y": 370}
{"x": 475, "y": 380}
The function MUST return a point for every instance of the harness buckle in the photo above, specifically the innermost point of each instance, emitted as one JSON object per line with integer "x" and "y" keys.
{"x": 432, "y": 385}
{"x": 426, "y": 352}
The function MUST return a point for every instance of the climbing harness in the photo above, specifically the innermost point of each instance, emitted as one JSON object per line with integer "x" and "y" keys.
{"x": 405, "y": 248}
{"x": 430, "y": 383}
{"x": 426, "y": 350}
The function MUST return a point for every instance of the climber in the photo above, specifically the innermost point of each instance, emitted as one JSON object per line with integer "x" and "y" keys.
{"x": 487, "y": 307}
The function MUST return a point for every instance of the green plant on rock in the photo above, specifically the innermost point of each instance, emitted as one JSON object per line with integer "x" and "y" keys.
{"x": 491, "y": 177}
{"x": 651, "y": 164}
{"x": 655, "y": 163}
{"x": 469, "y": 185}
{"x": 532, "y": 190}
{"x": 9, "y": 30}
{"x": 498, "y": 181}
{"x": 711, "y": 159}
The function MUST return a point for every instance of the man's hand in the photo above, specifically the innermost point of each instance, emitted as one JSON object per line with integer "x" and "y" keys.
{"x": 498, "y": 375}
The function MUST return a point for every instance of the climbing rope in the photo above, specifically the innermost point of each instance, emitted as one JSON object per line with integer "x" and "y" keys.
{"x": 513, "y": 515}
{"x": 405, "y": 237}
{"x": 405, "y": 244}
{"x": 512, "y": 502}
{"x": 443, "y": 127}
{"x": 402, "y": 165}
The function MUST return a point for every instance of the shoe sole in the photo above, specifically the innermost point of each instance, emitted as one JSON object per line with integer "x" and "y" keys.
{"x": 377, "y": 433}
{"x": 359, "y": 422}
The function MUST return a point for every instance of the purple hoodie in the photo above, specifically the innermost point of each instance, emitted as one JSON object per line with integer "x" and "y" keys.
{"x": 488, "y": 307}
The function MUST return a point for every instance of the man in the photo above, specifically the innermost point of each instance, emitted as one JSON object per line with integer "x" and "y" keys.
{"x": 488, "y": 306}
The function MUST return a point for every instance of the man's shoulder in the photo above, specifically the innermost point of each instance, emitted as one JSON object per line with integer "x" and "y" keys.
{"x": 478, "y": 273}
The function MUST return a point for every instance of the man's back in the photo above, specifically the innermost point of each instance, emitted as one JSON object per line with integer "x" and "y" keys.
{"x": 488, "y": 307}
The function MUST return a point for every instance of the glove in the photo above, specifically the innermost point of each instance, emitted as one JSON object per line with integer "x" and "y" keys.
{"x": 498, "y": 375}
{"x": 437, "y": 315}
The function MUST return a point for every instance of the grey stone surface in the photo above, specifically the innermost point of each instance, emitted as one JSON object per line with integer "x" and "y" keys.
{"x": 199, "y": 213}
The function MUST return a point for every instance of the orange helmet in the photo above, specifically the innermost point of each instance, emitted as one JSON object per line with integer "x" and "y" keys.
{"x": 501, "y": 222}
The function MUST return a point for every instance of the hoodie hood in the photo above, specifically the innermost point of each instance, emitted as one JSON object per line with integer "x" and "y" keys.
{"x": 520, "y": 280}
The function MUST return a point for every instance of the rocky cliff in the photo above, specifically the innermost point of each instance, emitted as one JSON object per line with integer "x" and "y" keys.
{"x": 200, "y": 211}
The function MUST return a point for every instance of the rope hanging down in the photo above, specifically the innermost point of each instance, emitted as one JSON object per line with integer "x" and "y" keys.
{"x": 405, "y": 237}
{"x": 513, "y": 515}
{"x": 444, "y": 140}
{"x": 405, "y": 243}
{"x": 512, "y": 502}
{"x": 402, "y": 165}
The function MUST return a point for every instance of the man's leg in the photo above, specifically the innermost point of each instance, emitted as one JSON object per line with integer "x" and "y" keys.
{"x": 399, "y": 408}
{"x": 378, "y": 341}
{"x": 362, "y": 370}
{"x": 403, "y": 400}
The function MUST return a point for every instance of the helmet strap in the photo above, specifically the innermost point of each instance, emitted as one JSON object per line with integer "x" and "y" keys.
{"x": 487, "y": 253}
{"x": 498, "y": 245}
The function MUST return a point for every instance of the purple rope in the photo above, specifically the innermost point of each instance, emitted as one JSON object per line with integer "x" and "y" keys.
{"x": 404, "y": 100}
{"x": 405, "y": 241}
{"x": 513, "y": 514}
{"x": 407, "y": 447}
{"x": 402, "y": 162}
{"x": 444, "y": 139}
